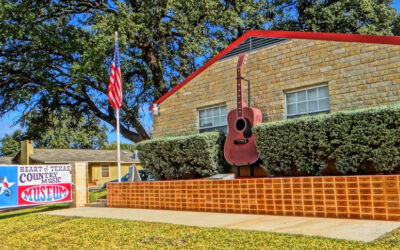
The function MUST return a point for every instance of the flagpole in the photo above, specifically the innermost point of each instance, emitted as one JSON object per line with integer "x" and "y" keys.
{"x": 118, "y": 146}
{"x": 118, "y": 149}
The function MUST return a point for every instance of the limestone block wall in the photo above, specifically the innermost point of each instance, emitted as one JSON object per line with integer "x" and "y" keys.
{"x": 357, "y": 197}
{"x": 359, "y": 75}
{"x": 80, "y": 190}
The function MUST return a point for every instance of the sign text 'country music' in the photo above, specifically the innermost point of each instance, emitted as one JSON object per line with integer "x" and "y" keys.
{"x": 41, "y": 173}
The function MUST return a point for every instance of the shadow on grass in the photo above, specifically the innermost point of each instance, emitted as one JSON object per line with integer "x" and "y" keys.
{"x": 32, "y": 210}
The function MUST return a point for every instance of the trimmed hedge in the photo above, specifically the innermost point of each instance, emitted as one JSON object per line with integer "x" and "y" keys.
{"x": 353, "y": 142}
{"x": 183, "y": 157}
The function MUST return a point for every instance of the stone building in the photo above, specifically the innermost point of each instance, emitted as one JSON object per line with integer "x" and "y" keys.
{"x": 291, "y": 74}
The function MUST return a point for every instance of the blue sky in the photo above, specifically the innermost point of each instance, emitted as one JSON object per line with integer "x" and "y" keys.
{"x": 8, "y": 120}
{"x": 396, "y": 4}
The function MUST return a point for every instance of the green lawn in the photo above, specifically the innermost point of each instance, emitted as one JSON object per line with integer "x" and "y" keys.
{"x": 26, "y": 229}
{"x": 98, "y": 194}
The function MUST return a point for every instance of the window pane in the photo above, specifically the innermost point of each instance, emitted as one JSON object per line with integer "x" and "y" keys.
{"x": 313, "y": 106}
{"x": 312, "y": 94}
{"x": 291, "y": 109}
{"x": 302, "y": 107}
{"x": 291, "y": 98}
{"x": 307, "y": 101}
{"x": 323, "y": 92}
{"x": 202, "y": 114}
{"x": 216, "y": 112}
{"x": 301, "y": 96}
{"x": 223, "y": 110}
{"x": 208, "y": 122}
{"x": 324, "y": 104}
{"x": 212, "y": 119}
{"x": 223, "y": 120}
{"x": 105, "y": 172}
{"x": 202, "y": 123}
{"x": 216, "y": 121}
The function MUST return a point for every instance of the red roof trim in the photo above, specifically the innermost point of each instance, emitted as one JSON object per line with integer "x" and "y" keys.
{"x": 393, "y": 40}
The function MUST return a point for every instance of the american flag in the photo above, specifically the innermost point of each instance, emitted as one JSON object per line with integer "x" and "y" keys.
{"x": 115, "y": 84}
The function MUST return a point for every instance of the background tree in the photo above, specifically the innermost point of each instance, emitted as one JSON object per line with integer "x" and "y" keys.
{"x": 57, "y": 130}
{"x": 342, "y": 16}
{"x": 57, "y": 54}
{"x": 396, "y": 26}
{"x": 64, "y": 130}
{"x": 10, "y": 144}
{"x": 123, "y": 146}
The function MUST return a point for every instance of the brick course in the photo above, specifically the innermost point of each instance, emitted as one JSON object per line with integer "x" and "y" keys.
{"x": 359, "y": 75}
{"x": 358, "y": 197}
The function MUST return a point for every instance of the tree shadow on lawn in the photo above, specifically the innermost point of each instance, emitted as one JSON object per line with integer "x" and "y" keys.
{"x": 18, "y": 211}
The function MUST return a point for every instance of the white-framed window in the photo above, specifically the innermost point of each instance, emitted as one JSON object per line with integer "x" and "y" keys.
{"x": 307, "y": 101}
{"x": 105, "y": 171}
{"x": 213, "y": 118}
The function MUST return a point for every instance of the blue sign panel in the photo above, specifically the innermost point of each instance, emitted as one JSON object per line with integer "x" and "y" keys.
{"x": 8, "y": 186}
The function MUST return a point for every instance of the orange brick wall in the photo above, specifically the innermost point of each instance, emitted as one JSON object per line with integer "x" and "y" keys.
{"x": 359, "y": 197}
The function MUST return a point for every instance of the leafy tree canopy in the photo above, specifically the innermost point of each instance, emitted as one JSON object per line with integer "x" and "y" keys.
{"x": 10, "y": 144}
{"x": 343, "y": 16}
{"x": 396, "y": 26}
{"x": 57, "y": 130}
{"x": 123, "y": 146}
{"x": 64, "y": 130}
{"x": 57, "y": 54}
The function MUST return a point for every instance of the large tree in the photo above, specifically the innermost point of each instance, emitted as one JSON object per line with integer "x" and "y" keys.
{"x": 57, "y": 54}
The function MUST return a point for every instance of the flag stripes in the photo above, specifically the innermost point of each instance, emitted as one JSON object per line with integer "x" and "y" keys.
{"x": 115, "y": 83}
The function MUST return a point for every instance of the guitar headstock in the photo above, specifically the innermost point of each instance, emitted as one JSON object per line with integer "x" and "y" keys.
{"x": 242, "y": 59}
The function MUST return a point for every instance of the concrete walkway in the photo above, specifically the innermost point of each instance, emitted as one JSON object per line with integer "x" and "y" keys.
{"x": 362, "y": 230}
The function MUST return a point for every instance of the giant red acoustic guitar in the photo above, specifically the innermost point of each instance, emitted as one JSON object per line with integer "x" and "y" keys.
{"x": 240, "y": 148}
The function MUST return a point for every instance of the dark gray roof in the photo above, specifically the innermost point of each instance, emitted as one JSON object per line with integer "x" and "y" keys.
{"x": 85, "y": 155}
{"x": 253, "y": 43}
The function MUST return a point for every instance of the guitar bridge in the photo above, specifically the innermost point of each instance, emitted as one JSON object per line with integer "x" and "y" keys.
{"x": 244, "y": 141}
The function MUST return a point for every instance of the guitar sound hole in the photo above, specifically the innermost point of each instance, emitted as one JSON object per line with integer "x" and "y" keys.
{"x": 240, "y": 124}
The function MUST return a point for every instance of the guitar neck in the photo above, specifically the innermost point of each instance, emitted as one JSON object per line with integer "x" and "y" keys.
{"x": 241, "y": 60}
{"x": 239, "y": 94}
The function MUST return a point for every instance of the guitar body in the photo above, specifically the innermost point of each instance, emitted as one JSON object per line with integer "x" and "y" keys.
{"x": 240, "y": 148}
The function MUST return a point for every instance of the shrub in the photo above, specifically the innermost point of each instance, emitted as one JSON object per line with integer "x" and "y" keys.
{"x": 178, "y": 157}
{"x": 354, "y": 141}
